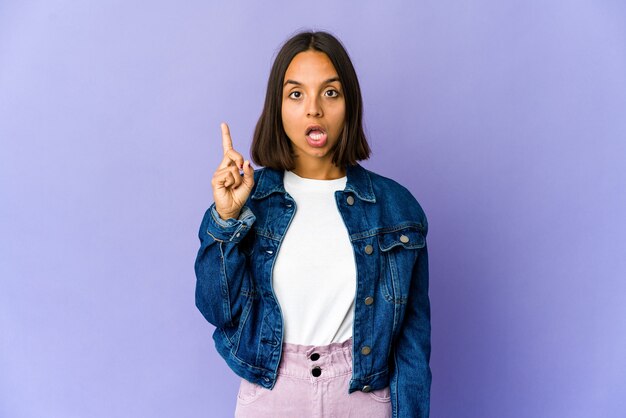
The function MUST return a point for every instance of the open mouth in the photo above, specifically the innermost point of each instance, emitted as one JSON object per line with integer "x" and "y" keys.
{"x": 315, "y": 130}
{"x": 316, "y": 136}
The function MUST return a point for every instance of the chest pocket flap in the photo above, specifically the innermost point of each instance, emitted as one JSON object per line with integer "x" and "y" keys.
{"x": 409, "y": 237}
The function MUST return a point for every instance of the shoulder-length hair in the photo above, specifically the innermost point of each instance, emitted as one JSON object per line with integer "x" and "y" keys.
{"x": 270, "y": 145}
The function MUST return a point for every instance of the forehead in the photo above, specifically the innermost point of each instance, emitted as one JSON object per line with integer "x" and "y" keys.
{"x": 310, "y": 67}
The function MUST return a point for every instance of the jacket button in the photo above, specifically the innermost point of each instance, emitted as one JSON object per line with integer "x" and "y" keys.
{"x": 366, "y": 388}
{"x": 404, "y": 238}
{"x": 350, "y": 200}
{"x": 316, "y": 371}
{"x": 369, "y": 300}
{"x": 369, "y": 249}
{"x": 366, "y": 350}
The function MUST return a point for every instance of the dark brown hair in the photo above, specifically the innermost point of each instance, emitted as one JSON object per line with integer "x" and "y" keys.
{"x": 270, "y": 145}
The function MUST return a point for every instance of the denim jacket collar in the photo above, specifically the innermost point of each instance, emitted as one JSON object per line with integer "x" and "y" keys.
{"x": 271, "y": 180}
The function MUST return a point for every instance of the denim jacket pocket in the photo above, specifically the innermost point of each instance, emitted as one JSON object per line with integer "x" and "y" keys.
{"x": 399, "y": 247}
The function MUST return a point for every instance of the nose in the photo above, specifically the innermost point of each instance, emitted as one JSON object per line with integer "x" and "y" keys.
{"x": 313, "y": 107}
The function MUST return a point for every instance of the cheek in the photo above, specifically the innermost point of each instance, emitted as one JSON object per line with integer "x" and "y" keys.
{"x": 288, "y": 116}
{"x": 340, "y": 117}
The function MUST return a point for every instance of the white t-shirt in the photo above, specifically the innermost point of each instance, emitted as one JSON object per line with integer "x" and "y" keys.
{"x": 314, "y": 274}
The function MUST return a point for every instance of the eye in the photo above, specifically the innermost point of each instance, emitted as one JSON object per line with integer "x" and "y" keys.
{"x": 331, "y": 93}
{"x": 295, "y": 95}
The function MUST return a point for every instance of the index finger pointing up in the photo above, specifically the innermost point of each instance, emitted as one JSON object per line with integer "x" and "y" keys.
{"x": 227, "y": 142}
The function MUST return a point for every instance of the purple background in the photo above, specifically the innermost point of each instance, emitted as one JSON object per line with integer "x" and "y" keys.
{"x": 506, "y": 119}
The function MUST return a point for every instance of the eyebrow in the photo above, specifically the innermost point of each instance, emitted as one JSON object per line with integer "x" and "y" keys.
{"x": 297, "y": 83}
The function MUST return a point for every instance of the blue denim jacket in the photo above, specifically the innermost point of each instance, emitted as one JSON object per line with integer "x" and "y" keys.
{"x": 387, "y": 229}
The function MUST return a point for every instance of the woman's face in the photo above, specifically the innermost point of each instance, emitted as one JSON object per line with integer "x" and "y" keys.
{"x": 313, "y": 108}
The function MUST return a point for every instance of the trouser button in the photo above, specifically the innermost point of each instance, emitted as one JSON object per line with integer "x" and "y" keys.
{"x": 316, "y": 371}
{"x": 315, "y": 356}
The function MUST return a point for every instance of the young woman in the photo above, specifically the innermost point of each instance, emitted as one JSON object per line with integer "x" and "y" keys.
{"x": 313, "y": 269}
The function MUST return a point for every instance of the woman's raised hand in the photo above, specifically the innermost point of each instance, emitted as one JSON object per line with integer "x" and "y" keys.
{"x": 230, "y": 189}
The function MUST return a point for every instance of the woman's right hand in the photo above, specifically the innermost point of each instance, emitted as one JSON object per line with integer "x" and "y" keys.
{"x": 230, "y": 189}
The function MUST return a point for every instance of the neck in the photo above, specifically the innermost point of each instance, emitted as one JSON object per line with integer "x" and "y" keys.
{"x": 319, "y": 171}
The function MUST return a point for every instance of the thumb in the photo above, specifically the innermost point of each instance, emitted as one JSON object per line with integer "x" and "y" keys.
{"x": 248, "y": 174}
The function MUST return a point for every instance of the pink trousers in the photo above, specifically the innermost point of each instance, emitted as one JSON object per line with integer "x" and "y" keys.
{"x": 312, "y": 382}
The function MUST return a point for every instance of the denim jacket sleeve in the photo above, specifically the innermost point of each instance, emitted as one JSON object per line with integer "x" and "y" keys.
{"x": 221, "y": 267}
{"x": 410, "y": 370}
